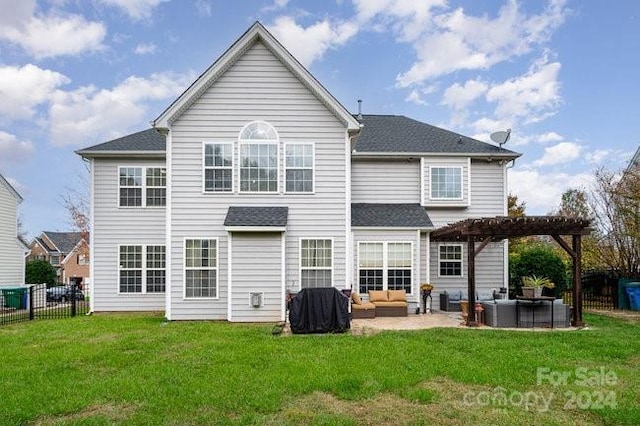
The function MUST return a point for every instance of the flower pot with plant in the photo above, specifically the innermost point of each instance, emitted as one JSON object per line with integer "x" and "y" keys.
{"x": 532, "y": 285}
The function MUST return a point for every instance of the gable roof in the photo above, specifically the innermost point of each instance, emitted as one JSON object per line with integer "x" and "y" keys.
{"x": 257, "y": 32}
{"x": 64, "y": 241}
{"x": 148, "y": 142}
{"x": 385, "y": 135}
{"x": 390, "y": 216}
{"x": 4, "y": 182}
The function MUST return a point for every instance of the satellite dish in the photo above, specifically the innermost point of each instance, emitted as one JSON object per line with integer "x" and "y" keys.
{"x": 501, "y": 137}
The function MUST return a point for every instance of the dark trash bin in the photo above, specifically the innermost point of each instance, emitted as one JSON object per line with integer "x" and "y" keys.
{"x": 319, "y": 310}
{"x": 634, "y": 298}
{"x": 15, "y": 297}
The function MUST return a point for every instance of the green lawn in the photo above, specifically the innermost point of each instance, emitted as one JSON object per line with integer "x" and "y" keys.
{"x": 137, "y": 369}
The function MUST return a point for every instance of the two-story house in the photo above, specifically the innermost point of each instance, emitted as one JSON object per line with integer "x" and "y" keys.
{"x": 12, "y": 248}
{"x": 257, "y": 182}
{"x": 68, "y": 253}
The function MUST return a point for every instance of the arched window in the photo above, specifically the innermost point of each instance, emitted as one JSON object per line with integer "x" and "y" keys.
{"x": 258, "y": 145}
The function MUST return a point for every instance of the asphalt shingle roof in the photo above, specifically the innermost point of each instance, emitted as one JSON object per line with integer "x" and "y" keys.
{"x": 65, "y": 241}
{"x": 390, "y": 215}
{"x": 399, "y": 134}
{"x": 146, "y": 140}
{"x": 257, "y": 216}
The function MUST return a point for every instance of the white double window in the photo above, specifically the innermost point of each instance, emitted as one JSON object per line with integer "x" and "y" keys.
{"x": 385, "y": 266}
{"x": 142, "y": 269}
{"x": 142, "y": 186}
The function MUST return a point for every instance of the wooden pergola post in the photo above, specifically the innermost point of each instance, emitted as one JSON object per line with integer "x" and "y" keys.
{"x": 471, "y": 281}
{"x": 577, "y": 282}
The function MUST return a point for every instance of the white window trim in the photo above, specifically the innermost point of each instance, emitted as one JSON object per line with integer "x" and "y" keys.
{"x": 143, "y": 187}
{"x": 313, "y": 167}
{"x": 184, "y": 268}
{"x": 385, "y": 263}
{"x": 461, "y": 261}
{"x": 431, "y": 197}
{"x": 261, "y": 142}
{"x": 205, "y": 167}
{"x": 144, "y": 270}
{"x": 333, "y": 260}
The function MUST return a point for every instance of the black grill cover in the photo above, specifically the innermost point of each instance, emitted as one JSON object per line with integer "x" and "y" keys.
{"x": 319, "y": 310}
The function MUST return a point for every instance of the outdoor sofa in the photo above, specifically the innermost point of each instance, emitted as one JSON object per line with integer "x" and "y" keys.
{"x": 382, "y": 303}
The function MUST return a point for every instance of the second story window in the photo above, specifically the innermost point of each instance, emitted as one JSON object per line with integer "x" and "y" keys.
{"x": 142, "y": 186}
{"x": 446, "y": 183}
{"x": 299, "y": 167}
{"x": 218, "y": 167}
{"x": 258, "y": 158}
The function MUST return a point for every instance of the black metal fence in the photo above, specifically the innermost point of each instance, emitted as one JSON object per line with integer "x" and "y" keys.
{"x": 600, "y": 290}
{"x": 39, "y": 302}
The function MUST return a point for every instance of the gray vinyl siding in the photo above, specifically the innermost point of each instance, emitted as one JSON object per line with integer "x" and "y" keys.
{"x": 385, "y": 181}
{"x": 256, "y": 87}
{"x": 427, "y": 164}
{"x": 400, "y": 236}
{"x": 114, "y": 226}
{"x": 489, "y": 269}
{"x": 488, "y": 195}
{"x": 11, "y": 254}
{"x": 257, "y": 267}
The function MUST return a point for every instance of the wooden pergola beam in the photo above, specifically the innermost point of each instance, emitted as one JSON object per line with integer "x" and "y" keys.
{"x": 486, "y": 230}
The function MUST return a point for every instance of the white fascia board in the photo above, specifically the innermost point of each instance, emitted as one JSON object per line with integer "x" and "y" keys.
{"x": 228, "y": 58}
{"x": 10, "y": 188}
{"x": 117, "y": 154}
{"x": 475, "y": 155}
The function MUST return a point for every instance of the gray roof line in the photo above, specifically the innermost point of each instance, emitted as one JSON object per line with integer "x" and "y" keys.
{"x": 412, "y": 216}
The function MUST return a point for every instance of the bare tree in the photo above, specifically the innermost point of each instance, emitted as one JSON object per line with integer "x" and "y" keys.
{"x": 615, "y": 202}
{"x": 76, "y": 201}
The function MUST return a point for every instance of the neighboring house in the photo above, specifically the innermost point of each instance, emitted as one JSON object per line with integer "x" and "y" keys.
{"x": 12, "y": 249}
{"x": 256, "y": 182}
{"x": 68, "y": 253}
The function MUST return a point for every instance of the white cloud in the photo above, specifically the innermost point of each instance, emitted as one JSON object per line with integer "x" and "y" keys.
{"x": 89, "y": 115}
{"x": 459, "y": 96}
{"x": 564, "y": 152}
{"x": 549, "y": 137}
{"x": 447, "y": 42}
{"x": 597, "y": 156}
{"x": 415, "y": 98}
{"x": 136, "y": 9}
{"x": 24, "y": 88}
{"x": 542, "y": 191}
{"x": 145, "y": 49}
{"x": 532, "y": 96}
{"x": 203, "y": 8}
{"x": 277, "y": 4}
{"x": 311, "y": 43}
{"x": 46, "y": 36}
{"x": 407, "y": 18}
{"x": 13, "y": 150}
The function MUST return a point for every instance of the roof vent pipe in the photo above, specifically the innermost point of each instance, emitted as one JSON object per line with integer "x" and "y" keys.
{"x": 359, "y": 109}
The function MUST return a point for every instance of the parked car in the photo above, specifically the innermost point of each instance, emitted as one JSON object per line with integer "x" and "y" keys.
{"x": 63, "y": 293}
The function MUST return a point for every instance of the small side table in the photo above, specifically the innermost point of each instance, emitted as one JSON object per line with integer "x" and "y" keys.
{"x": 533, "y": 302}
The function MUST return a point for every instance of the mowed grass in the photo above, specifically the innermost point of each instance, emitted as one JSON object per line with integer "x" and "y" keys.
{"x": 138, "y": 369}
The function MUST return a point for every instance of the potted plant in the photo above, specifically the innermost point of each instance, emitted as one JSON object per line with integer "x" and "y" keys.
{"x": 532, "y": 285}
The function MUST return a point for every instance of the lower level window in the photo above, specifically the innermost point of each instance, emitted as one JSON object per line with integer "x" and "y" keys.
{"x": 138, "y": 276}
{"x": 450, "y": 260}
{"x": 201, "y": 268}
{"x": 316, "y": 263}
{"x": 385, "y": 266}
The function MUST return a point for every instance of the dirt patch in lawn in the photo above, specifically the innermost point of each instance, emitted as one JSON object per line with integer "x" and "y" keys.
{"x": 631, "y": 316}
{"x": 442, "y": 401}
{"x": 109, "y": 413}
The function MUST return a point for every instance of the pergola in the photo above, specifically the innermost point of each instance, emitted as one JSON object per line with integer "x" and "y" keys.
{"x": 486, "y": 230}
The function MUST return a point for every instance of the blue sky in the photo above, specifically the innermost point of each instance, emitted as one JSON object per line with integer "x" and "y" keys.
{"x": 563, "y": 75}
